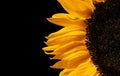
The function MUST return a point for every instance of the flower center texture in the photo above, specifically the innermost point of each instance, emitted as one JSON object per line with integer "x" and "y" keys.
{"x": 103, "y": 37}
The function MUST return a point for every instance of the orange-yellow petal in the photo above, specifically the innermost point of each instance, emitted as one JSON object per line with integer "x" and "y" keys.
{"x": 73, "y": 50}
{"x": 49, "y": 48}
{"x": 98, "y": 1}
{"x": 65, "y": 72}
{"x": 73, "y": 60}
{"x": 64, "y": 48}
{"x": 84, "y": 69}
{"x": 63, "y": 19}
{"x": 78, "y": 8}
{"x": 62, "y": 39}
{"x": 66, "y": 30}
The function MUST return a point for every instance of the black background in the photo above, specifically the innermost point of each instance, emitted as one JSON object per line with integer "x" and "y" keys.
{"x": 41, "y": 10}
{"x": 23, "y": 54}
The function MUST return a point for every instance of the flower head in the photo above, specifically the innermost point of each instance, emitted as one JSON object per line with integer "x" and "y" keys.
{"x": 74, "y": 44}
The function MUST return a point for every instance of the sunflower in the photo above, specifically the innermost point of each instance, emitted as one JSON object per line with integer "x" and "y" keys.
{"x": 73, "y": 44}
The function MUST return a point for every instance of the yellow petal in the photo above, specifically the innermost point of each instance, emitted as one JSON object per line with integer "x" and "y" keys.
{"x": 79, "y": 8}
{"x": 73, "y": 50}
{"x": 64, "y": 15}
{"x": 69, "y": 51}
{"x": 75, "y": 59}
{"x": 65, "y": 72}
{"x": 71, "y": 36}
{"x": 50, "y": 47}
{"x": 72, "y": 61}
{"x": 67, "y": 30}
{"x": 61, "y": 15}
{"x": 97, "y": 1}
{"x": 62, "y": 41}
{"x": 97, "y": 74}
{"x": 66, "y": 47}
{"x": 85, "y": 69}
{"x": 75, "y": 55}
{"x": 65, "y": 20}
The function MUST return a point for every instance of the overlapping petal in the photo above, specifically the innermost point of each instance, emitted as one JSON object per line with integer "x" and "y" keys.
{"x": 97, "y": 1}
{"x": 72, "y": 60}
{"x": 85, "y": 69}
{"x": 64, "y": 19}
{"x": 68, "y": 44}
{"x": 78, "y": 8}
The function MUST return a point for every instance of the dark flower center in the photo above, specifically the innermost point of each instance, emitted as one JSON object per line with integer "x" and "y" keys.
{"x": 103, "y": 37}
